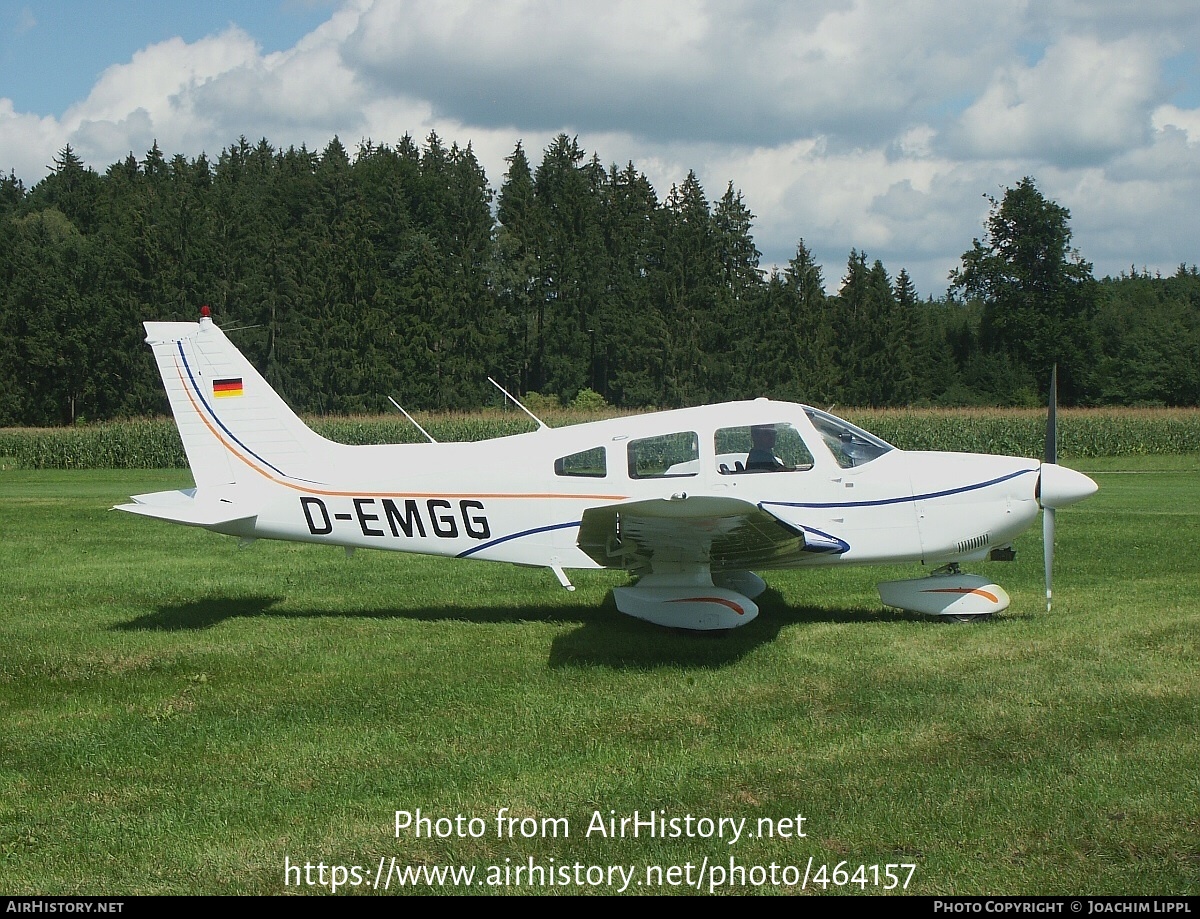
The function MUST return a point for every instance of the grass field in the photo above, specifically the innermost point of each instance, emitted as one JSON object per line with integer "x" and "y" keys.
{"x": 181, "y": 716}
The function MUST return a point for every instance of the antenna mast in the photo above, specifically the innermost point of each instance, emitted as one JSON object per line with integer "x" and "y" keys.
{"x": 428, "y": 436}
{"x": 541, "y": 424}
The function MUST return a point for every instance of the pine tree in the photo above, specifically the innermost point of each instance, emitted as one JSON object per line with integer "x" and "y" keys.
{"x": 686, "y": 287}
{"x": 813, "y": 374}
{"x": 735, "y": 302}
{"x": 518, "y": 272}
{"x": 72, "y": 188}
{"x": 568, "y": 192}
{"x": 12, "y": 194}
{"x": 627, "y": 356}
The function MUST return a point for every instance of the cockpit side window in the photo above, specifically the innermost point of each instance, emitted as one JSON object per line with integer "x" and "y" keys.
{"x": 666, "y": 456}
{"x": 592, "y": 464}
{"x": 849, "y": 444}
{"x": 761, "y": 448}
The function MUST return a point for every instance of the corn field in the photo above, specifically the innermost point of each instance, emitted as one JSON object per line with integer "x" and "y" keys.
{"x": 153, "y": 443}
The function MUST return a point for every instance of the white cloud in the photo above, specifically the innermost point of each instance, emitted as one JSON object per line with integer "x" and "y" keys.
{"x": 1186, "y": 120}
{"x": 132, "y": 104}
{"x": 748, "y": 73}
{"x": 159, "y": 75}
{"x": 27, "y": 142}
{"x": 1084, "y": 101}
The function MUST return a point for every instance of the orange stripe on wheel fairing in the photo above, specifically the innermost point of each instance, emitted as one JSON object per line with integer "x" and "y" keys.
{"x": 964, "y": 590}
{"x": 721, "y": 600}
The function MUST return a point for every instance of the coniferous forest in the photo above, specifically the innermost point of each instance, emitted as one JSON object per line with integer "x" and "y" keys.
{"x": 397, "y": 271}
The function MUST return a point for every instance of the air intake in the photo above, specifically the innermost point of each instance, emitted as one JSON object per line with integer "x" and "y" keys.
{"x": 973, "y": 544}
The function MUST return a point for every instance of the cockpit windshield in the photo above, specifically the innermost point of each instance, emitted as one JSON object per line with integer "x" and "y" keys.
{"x": 849, "y": 444}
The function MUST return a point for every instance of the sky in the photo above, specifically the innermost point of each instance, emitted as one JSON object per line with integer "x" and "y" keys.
{"x": 883, "y": 126}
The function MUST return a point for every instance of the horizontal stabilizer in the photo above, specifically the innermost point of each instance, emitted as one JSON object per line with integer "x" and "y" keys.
{"x": 219, "y": 514}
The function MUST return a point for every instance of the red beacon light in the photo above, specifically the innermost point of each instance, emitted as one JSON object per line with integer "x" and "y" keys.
{"x": 205, "y": 312}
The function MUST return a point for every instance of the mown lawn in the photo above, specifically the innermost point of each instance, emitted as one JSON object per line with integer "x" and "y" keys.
{"x": 181, "y": 716}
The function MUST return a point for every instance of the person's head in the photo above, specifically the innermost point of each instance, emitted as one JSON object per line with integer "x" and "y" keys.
{"x": 763, "y": 435}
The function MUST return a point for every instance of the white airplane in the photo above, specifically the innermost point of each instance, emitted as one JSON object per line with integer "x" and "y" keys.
{"x": 691, "y": 502}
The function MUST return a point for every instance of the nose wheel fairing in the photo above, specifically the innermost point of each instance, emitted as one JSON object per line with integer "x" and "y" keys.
{"x": 948, "y": 593}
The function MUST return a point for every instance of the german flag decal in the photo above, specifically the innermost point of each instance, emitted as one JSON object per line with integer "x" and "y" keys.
{"x": 223, "y": 389}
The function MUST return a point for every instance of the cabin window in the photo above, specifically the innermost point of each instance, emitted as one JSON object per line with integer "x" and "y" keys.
{"x": 590, "y": 464}
{"x": 761, "y": 448}
{"x": 666, "y": 456}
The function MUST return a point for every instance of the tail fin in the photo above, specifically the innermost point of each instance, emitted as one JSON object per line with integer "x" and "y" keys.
{"x": 235, "y": 428}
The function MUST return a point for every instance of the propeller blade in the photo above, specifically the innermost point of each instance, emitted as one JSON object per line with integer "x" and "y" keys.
{"x": 1048, "y": 549}
{"x": 1052, "y": 458}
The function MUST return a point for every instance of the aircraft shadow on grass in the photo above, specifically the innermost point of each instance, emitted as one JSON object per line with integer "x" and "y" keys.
{"x": 604, "y": 637}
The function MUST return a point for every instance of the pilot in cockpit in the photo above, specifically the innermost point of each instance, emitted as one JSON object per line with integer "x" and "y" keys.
{"x": 761, "y": 457}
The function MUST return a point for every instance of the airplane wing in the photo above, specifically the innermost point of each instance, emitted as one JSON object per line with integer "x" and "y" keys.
{"x": 725, "y": 533}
